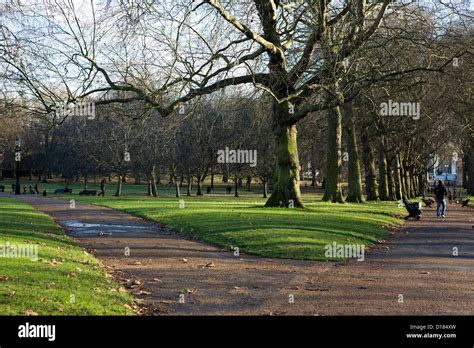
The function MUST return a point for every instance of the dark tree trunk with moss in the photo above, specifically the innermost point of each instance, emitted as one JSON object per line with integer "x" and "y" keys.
{"x": 189, "y": 186}
{"x": 286, "y": 183}
{"x": 236, "y": 186}
{"x": 397, "y": 178}
{"x": 470, "y": 169}
{"x": 416, "y": 188}
{"x": 384, "y": 193}
{"x": 421, "y": 184}
{"x": 313, "y": 176}
{"x": 371, "y": 189}
{"x": 354, "y": 192}
{"x": 332, "y": 192}
{"x": 391, "y": 182}
{"x": 407, "y": 182}
{"x": 199, "y": 186}
{"x": 118, "y": 191}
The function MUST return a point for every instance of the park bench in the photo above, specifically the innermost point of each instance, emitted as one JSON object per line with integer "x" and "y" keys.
{"x": 413, "y": 209}
{"x": 63, "y": 191}
{"x": 88, "y": 192}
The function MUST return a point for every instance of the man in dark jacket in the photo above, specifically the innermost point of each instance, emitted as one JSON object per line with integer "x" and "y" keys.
{"x": 102, "y": 188}
{"x": 440, "y": 193}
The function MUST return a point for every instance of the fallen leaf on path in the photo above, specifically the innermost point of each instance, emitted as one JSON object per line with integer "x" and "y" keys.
{"x": 136, "y": 263}
{"x": 30, "y": 312}
{"x": 143, "y": 292}
{"x": 209, "y": 265}
{"x": 184, "y": 260}
{"x": 134, "y": 284}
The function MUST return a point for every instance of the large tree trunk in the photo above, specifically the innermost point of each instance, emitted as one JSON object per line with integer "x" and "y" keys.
{"x": 465, "y": 164}
{"x": 286, "y": 184}
{"x": 189, "y": 186}
{"x": 118, "y": 192}
{"x": 176, "y": 185}
{"x": 199, "y": 185}
{"x": 149, "y": 188}
{"x": 154, "y": 190}
{"x": 397, "y": 178}
{"x": 354, "y": 193}
{"x": 236, "y": 186}
{"x": 407, "y": 183}
{"x": 391, "y": 181}
{"x": 414, "y": 185}
{"x": 470, "y": 169}
{"x": 265, "y": 188}
{"x": 332, "y": 192}
{"x": 422, "y": 184}
{"x": 153, "y": 181}
{"x": 313, "y": 176}
{"x": 371, "y": 189}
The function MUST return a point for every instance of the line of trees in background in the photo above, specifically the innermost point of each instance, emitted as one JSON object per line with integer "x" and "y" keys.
{"x": 262, "y": 71}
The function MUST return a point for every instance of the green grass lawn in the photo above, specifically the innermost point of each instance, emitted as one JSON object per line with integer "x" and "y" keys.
{"x": 64, "y": 280}
{"x": 272, "y": 232}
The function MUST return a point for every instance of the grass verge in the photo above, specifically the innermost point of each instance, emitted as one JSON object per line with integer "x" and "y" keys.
{"x": 62, "y": 280}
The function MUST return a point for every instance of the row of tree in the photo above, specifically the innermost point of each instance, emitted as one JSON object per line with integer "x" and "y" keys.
{"x": 325, "y": 66}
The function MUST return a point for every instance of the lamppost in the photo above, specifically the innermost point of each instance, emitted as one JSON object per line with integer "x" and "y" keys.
{"x": 17, "y": 161}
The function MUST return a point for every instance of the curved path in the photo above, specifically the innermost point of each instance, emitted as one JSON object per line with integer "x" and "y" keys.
{"x": 414, "y": 272}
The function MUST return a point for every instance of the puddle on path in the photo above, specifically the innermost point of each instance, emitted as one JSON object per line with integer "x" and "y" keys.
{"x": 77, "y": 228}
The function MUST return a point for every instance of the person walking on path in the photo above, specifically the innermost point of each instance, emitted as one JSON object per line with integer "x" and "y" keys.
{"x": 102, "y": 188}
{"x": 440, "y": 193}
